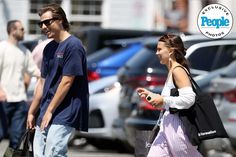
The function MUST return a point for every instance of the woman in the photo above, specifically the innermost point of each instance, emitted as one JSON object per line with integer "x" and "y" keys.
{"x": 171, "y": 140}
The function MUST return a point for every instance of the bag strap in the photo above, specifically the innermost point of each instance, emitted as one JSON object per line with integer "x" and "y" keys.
{"x": 160, "y": 117}
{"x": 25, "y": 140}
{"x": 195, "y": 86}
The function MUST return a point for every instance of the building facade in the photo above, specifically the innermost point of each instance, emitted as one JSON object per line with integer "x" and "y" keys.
{"x": 119, "y": 14}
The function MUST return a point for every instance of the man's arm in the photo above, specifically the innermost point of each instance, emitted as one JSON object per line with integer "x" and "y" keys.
{"x": 35, "y": 103}
{"x": 27, "y": 80}
{"x": 59, "y": 96}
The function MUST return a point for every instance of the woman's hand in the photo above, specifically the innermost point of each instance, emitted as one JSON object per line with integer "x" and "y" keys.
{"x": 142, "y": 92}
{"x": 156, "y": 100}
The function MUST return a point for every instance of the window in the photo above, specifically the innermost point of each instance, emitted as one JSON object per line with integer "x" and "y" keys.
{"x": 86, "y": 7}
{"x": 203, "y": 58}
{"x": 83, "y": 13}
{"x": 37, "y": 4}
{"x": 33, "y": 27}
{"x": 227, "y": 55}
{"x": 76, "y": 25}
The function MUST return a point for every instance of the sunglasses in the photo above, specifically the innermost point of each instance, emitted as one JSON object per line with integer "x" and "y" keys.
{"x": 47, "y": 22}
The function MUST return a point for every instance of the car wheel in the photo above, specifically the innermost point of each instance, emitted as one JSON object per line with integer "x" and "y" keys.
{"x": 96, "y": 119}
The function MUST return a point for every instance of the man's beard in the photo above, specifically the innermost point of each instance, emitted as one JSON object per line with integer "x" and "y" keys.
{"x": 20, "y": 38}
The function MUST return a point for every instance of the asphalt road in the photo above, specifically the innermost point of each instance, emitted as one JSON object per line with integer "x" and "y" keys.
{"x": 86, "y": 151}
{"x": 90, "y": 151}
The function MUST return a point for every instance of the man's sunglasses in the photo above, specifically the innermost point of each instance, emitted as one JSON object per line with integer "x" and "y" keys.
{"x": 47, "y": 22}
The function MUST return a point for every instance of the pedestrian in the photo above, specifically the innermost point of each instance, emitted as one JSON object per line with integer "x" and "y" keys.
{"x": 37, "y": 52}
{"x": 15, "y": 62}
{"x": 176, "y": 18}
{"x": 62, "y": 91}
{"x": 171, "y": 140}
{"x": 3, "y": 123}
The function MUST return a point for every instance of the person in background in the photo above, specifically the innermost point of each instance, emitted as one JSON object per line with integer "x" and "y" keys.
{"x": 37, "y": 52}
{"x": 171, "y": 140}
{"x": 175, "y": 19}
{"x": 15, "y": 62}
{"x": 61, "y": 95}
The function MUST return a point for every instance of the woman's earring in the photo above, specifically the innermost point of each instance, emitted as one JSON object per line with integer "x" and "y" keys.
{"x": 170, "y": 60}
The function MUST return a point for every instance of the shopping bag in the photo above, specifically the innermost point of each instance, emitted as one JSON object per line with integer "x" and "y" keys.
{"x": 201, "y": 121}
{"x": 24, "y": 148}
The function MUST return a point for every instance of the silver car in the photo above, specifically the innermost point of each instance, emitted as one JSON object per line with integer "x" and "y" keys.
{"x": 223, "y": 90}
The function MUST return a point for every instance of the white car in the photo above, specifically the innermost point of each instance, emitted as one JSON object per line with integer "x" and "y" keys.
{"x": 103, "y": 109}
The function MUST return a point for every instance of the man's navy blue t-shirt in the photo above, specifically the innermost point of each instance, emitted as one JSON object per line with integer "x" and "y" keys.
{"x": 66, "y": 58}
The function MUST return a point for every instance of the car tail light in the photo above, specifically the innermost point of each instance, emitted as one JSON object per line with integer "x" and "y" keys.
{"x": 232, "y": 119}
{"x": 92, "y": 76}
{"x": 231, "y": 95}
{"x": 148, "y": 80}
{"x": 145, "y": 105}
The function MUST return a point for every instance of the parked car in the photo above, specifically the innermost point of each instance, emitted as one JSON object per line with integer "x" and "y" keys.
{"x": 144, "y": 116}
{"x": 97, "y": 56}
{"x": 204, "y": 57}
{"x": 108, "y": 60}
{"x": 103, "y": 109}
{"x": 110, "y": 65}
{"x": 94, "y": 38}
{"x": 223, "y": 90}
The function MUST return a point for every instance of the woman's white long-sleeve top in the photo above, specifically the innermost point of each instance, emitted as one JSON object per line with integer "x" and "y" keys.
{"x": 185, "y": 99}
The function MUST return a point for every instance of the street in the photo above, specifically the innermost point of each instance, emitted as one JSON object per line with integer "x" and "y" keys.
{"x": 86, "y": 151}
{"x": 90, "y": 151}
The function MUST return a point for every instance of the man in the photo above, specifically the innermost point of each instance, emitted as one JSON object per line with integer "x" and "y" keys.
{"x": 62, "y": 92}
{"x": 15, "y": 62}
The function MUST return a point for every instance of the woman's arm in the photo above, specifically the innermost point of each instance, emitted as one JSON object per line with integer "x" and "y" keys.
{"x": 186, "y": 96}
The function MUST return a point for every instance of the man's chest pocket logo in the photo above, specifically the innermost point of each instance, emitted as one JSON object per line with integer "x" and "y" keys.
{"x": 59, "y": 54}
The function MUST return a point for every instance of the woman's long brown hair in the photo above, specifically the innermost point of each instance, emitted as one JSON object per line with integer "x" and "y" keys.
{"x": 176, "y": 43}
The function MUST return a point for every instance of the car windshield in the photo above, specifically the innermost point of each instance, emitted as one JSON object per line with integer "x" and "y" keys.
{"x": 102, "y": 54}
{"x": 145, "y": 58}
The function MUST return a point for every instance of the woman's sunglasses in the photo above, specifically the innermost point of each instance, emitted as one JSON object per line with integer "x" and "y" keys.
{"x": 47, "y": 22}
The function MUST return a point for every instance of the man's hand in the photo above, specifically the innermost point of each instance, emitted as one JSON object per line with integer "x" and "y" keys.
{"x": 46, "y": 119}
{"x": 30, "y": 121}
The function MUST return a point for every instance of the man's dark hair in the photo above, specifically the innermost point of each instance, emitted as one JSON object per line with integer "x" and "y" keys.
{"x": 11, "y": 25}
{"x": 57, "y": 12}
